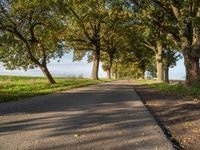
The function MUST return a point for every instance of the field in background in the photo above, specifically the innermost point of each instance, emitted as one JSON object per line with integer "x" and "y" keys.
{"x": 175, "y": 87}
{"x": 17, "y": 87}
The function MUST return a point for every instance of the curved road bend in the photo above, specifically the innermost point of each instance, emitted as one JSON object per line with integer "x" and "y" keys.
{"x": 107, "y": 116}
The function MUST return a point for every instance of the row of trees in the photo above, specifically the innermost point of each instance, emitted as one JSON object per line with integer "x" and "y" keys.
{"x": 129, "y": 37}
{"x": 174, "y": 24}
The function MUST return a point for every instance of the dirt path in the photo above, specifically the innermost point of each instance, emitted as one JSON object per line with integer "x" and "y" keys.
{"x": 179, "y": 115}
{"x": 105, "y": 116}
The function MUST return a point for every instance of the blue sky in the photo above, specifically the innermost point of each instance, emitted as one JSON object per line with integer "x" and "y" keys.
{"x": 66, "y": 67}
{"x": 178, "y": 72}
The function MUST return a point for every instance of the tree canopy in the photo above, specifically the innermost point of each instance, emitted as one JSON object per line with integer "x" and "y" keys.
{"x": 30, "y": 35}
{"x": 129, "y": 37}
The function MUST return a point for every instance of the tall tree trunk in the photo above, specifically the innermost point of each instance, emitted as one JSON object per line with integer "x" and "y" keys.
{"x": 166, "y": 74}
{"x": 116, "y": 75}
{"x": 47, "y": 74}
{"x": 42, "y": 66}
{"x": 159, "y": 62}
{"x": 109, "y": 67}
{"x": 96, "y": 61}
{"x": 141, "y": 71}
{"x": 108, "y": 74}
{"x": 109, "y": 71}
{"x": 191, "y": 54}
{"x": 192, "y": 68}
{"x": 190, "y": 44}
{"x": 95, "y": 68}
{"x": 113, "y": 74}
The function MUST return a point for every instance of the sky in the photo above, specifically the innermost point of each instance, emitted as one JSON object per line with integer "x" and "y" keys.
{"x": 178, "y": 72}
{"x": 65, "y": 67}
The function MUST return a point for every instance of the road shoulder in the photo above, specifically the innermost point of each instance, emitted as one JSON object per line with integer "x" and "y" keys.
{"x": 178, "y": 116}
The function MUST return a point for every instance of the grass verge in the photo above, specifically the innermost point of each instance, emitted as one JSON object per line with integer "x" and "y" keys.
{"x": 13, "y": 88}
{"x": 173, "y": 88}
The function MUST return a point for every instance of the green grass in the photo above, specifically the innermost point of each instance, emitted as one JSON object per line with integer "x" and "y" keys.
{"x": 174, "y": 88}
{"x": 16, "y": 87}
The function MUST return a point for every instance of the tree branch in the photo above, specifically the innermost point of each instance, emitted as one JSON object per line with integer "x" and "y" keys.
{"x": 148, "y": 45}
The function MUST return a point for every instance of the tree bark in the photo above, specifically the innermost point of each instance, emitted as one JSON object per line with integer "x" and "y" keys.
{"x": 192, "y": 68}
{"x": 95, "y": 68}
{"x": 116, "y": 74}
{"x": 96, "y": 61}
{"x": 190, "y": 43}
{"x": 141, "y": 71}
{"x": 108, "y": 74}
{"x": 96, "y": 52}
{"x": 191, "y": 54}
{"x": 166, "y": 74}
{"x": 159, "y": 62}
{"x": 109, "y": 67}
{"x": 47, "y": 74}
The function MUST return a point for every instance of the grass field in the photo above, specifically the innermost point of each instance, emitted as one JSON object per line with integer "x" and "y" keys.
{"x": 174, "y": 88}
{"x": 15, "y": 87}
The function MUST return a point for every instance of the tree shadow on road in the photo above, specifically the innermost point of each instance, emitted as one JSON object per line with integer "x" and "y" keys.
{"x": 100, "y": 119}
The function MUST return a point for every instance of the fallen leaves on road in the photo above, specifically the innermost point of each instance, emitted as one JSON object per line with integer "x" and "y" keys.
{"x": 196, "y": 130}
{"x": 76, "y": 135}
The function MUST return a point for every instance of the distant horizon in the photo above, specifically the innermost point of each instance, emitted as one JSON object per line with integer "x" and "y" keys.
{"x": 65, "y": 67}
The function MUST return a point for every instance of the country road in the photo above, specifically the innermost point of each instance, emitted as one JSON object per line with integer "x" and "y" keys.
{"x": 108, "y": 116}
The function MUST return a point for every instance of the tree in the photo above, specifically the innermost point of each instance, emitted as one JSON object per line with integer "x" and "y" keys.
{"x": 115, "y": 29}
{"x": 171, "y": 55}
{"x": 170, "y": 58}
{"x": 186, "y": 17}
{"x": 84, "y": 32}
{"x": 30, "y": 35}
{"x": 126, "y": 67}
{"x": 153, "y": 20}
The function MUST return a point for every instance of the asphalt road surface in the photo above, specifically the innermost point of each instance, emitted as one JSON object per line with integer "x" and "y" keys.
{"x": 107, "y": 116}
